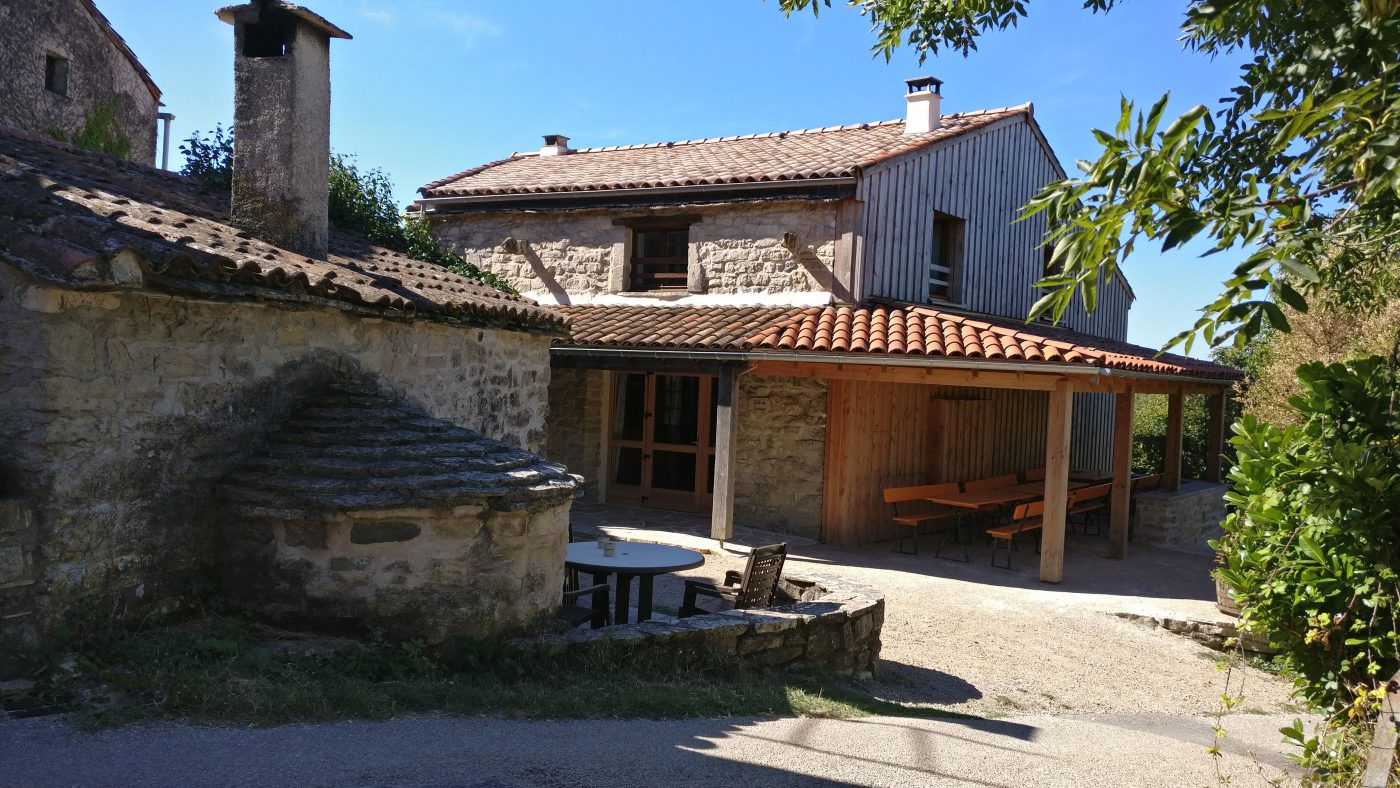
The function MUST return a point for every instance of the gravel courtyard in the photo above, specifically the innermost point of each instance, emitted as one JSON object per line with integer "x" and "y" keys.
{"x": 1064, "y": 694}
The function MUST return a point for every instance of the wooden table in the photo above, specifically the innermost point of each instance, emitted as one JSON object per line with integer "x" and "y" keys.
{"x": 1037, "y": 489}
{"x": 984, "y": 499}
{"x": 630, "y": 559}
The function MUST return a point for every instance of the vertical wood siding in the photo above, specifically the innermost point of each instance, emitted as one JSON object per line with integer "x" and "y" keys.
{"x": 982, "y": 178}
{"x": 882, "y": 434}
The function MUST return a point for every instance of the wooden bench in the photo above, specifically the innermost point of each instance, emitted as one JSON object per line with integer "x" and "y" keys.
{"x": 1026, "y": 518}
{"x": 912, "y": 509}
{"x": 1088, "y": 502}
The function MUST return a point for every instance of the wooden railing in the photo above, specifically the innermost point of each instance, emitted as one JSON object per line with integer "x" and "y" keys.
{"x": 1382, "y": 757}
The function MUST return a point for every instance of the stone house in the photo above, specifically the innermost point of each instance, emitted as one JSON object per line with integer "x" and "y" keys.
{"x": 772, "y": 327}
{"x": 192, "y": 392}
{"x": 61, "y": 62}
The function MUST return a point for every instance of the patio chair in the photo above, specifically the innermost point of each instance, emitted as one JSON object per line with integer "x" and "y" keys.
{"x": 991, "y": 483}
{"x": 1026, "y": 518}
{"x": 913, "y": 510}
{"x": 1088, "y": 502}
{"x": 597, "y": 613}
{"x": 754, "y": 587}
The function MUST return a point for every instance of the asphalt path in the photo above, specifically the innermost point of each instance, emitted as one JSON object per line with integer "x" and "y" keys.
{"x": 1075, "y": 751}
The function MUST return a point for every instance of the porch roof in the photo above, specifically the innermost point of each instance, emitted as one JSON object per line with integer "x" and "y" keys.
{"x": 877, "y": 330}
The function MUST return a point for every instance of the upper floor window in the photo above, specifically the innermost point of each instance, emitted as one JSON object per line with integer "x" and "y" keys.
{"x": 56, "y": 73}
{"x": 945, "y": 257}
{"x": 660, "y": 258}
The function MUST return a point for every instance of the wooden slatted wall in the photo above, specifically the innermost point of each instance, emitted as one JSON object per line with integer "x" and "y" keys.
{"x": 983, "y": 178}
{"x": 886, "y": 433}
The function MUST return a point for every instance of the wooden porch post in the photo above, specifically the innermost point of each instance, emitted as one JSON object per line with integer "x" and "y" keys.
{"x": 1122, "y": 473}
{"x": 1215, "y": 435}
{"x": 1057, "y": 439}
{"x": 1171, "y": 472}
{"x": 726, "y": 430}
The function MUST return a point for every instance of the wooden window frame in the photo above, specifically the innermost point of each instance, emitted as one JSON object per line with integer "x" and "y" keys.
{"x": 639, "y": 280}
{"x": 950, "y": 243}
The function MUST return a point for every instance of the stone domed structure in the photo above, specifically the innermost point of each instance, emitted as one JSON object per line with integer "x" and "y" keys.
{"x": 363, "y": 511}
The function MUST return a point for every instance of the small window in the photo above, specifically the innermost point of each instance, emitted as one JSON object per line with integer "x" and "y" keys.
{"x": 660, "y": 258}
{"x": 56, "y": 74}
{"x": 945, "y": 257}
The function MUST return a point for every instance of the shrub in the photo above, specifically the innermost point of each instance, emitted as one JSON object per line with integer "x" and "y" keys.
{"x": 361, "y": 202}
{"x": 1311, "y": 544}
{"x": 100, "y": 132}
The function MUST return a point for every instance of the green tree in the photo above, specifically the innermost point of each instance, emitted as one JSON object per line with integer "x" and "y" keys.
{"x": 361, "y": 202}
{"x": 1300, "y": 166}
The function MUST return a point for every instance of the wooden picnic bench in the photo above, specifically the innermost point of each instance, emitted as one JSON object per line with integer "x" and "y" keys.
{"x": 1026, "y": 518}
{"x": 915, "y": 508}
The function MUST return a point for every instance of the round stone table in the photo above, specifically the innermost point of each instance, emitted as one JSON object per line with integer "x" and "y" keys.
{"x": 631, "y": 559}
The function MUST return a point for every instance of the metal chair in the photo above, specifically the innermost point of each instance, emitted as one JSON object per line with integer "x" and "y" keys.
{"x": 754, "y": 587}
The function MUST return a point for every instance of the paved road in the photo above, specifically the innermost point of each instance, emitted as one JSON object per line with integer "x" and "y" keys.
{"x": 1071, "y": 751}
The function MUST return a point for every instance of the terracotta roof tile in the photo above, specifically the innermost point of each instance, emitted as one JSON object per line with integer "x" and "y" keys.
{"x": 68, "y": 216}
{"x": 833, "y": 152}
{"x": 875, "y": 329}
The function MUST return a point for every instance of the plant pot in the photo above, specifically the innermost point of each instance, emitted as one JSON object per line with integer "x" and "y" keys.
{"x": 1224, "y": 599}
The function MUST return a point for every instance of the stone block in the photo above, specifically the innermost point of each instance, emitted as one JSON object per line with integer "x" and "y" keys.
{"x": 379, "y": 532}
{"x": 308, "y": 535}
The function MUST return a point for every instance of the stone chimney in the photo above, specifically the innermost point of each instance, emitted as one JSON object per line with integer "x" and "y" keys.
{"x": 923, "y": 105}
{"x": 555, "y": 145}
{"x": 281, "y": 123}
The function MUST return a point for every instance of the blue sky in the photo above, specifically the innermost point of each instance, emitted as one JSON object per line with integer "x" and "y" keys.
{"x": 430, "y": 87}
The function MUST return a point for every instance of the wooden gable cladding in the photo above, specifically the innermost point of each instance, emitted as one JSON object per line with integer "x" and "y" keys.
{"x": 880, "y": 434}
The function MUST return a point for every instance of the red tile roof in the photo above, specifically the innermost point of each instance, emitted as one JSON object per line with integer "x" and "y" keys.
{"x": 67, "y": 215}
{"x": 833, "y": 152}
{"x": 867, "y": 329}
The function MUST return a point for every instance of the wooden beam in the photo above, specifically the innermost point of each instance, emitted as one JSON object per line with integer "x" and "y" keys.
{"x": 726, "y": 434}
{"x": 1171, "y": 470}
{"x": 1122, "y": 474}
{"x": 934, "y": 376}
{"x": 1057, "y": 440}
{"x": 1215, "y": 435}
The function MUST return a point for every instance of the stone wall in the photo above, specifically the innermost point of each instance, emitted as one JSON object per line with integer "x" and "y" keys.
{"x": 568, "y": 256}
{"x": 576, "y": 402}
{"x": 1188, "y": 517}
{"x": 827, "y": 626}
{"x": 781, "y": 452}
{"x": 119, "y": 411}
{"x": 97, "y": 72}
{"x": 413, "y": 573}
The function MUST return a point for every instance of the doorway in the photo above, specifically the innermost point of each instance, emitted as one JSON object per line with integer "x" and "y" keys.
{"x": 661, "y": 443}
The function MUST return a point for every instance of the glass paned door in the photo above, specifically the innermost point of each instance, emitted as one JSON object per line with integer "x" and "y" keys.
{"x": 661, "y": 447}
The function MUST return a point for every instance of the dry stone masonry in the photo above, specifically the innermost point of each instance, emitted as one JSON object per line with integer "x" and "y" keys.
{"x": 1188, "y": 517}
{"x": 363, "y": 511}
{"x": 820, "y": 625}
{"x": 561, "y": 256}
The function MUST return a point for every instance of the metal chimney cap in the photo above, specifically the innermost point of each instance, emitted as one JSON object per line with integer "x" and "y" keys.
{"x": 918, "y": 84}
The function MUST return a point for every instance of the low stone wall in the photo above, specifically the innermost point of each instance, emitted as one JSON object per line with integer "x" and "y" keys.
{"x": 1217, "y": 635}
{"x": 826, "y": 626}
{"x": 1187, "y": 517}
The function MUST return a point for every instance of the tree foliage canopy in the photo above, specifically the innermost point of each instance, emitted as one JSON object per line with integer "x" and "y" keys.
{"x": 361, "y": 202}
{"x": 1299, "y": 166}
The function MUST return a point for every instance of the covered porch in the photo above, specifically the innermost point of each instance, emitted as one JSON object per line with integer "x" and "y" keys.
{"x": 904, "y": 392}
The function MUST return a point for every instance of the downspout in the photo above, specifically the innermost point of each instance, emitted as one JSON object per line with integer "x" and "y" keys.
{"x": 165, "y": 118}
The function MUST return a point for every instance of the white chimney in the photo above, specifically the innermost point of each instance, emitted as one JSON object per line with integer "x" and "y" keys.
{"x": 923, "y": 105}
{"x": 555, "y": 145}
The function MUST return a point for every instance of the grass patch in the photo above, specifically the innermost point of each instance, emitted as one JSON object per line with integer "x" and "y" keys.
{"x": 212, "y": 670}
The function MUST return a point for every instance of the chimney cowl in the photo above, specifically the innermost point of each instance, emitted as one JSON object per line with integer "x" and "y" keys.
{"x": 923, "y": 105}
{"x": 555, "y": 145}
{"x": 281, "y": 123}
